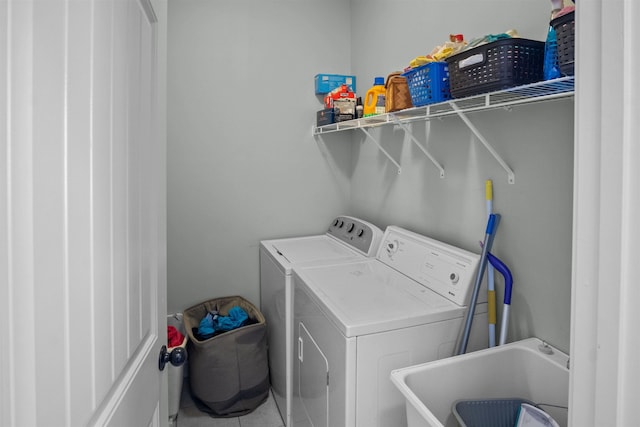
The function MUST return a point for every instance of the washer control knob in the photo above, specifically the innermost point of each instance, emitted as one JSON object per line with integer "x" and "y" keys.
{"x": 341, "y": 224}
{"x": 350, "y": 227}
{"x": 360, "y": 232}
{"x": 392, "y": 247}
{"x": 454, "y": 278}
{"x": 335, "y": 222}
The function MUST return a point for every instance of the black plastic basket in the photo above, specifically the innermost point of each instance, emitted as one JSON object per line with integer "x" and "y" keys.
{"x": 488, "y": 412}
{"x": 565, "y": 39}
{"x": 494, "y": 66}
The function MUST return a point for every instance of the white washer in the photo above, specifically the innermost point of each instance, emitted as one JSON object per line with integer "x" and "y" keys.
{"x": 356, "y": 322}
{"x": 347, "y": 239}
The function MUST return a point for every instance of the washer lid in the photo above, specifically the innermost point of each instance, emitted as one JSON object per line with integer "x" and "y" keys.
{"x": 368, "y": 297}
{"x": 309, "y": 250}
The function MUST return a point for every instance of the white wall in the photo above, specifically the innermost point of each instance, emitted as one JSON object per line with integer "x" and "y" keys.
{"x": 208, "y": 154}
{"x": 534, "y": 235}
{"x": 242, "y": 163}
{"x": 536, "y": 141}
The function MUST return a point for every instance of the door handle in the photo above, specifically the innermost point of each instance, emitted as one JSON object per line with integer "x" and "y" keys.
{"x": 177, "y": 357}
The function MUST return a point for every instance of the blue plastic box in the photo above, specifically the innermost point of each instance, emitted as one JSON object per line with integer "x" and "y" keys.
{"x": 428, "y": 83}
{"x": 325, "y": 83}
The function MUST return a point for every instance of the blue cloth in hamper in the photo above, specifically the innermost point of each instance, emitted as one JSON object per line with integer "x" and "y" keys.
{"x": 213, "y": 322}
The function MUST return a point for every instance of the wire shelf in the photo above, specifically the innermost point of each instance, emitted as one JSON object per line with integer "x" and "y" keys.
{"x": 536, "y": 92}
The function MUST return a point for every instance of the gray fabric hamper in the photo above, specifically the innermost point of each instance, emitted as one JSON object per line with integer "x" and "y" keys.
{"x": 229, "y": 373}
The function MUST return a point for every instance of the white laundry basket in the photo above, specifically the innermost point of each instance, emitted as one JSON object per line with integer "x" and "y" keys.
{"x": 176, "y": 373}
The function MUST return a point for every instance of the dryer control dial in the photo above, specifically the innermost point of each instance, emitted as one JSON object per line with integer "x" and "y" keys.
{"x": 392, "y": 247}
{"x": 454, "y": 277}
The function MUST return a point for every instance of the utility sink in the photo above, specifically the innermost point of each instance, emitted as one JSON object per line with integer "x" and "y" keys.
{"x": 528, "y": 369}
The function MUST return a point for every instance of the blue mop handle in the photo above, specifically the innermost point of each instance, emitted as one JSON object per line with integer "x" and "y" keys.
{"x": 492, "y": 226}
{"x": 508, "y": 286}
{"x": 508, "y": 277}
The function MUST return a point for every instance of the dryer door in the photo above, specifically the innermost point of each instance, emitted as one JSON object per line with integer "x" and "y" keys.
{"x": 313, "y": 381}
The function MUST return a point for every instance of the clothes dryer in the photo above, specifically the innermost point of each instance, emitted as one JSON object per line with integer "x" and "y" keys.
{"x": 356, "y": 322}
{"x": 347, "y": 239}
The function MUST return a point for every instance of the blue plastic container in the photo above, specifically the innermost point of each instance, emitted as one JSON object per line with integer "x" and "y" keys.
{"x": 551, "y": 69}
{"x": 428, "y": 83}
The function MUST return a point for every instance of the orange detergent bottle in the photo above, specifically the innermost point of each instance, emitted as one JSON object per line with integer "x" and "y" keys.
{"x": 374, "y": 101}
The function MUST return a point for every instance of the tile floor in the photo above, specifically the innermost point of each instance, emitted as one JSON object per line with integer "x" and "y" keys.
{"x": 265, "y": 415}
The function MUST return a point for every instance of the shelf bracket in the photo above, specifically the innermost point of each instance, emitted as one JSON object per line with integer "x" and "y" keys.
{"x": 510, "y": 175}
{"x": 415, "y": 141}
{"x": 381, "y": 149}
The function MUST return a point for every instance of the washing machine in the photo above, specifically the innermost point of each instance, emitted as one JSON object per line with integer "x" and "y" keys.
{"x": 356, "y": 322}
{"x": 347, "y": 239}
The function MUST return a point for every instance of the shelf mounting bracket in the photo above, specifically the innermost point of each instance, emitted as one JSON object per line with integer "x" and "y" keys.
{"x": 415, "y": 141}
{"x": 375, "y": 141}
{"x": 510, "y": 175}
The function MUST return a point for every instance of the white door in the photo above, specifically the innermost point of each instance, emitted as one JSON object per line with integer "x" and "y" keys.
{"x": 313, "y": 381}
{"x": 82, "y": 212}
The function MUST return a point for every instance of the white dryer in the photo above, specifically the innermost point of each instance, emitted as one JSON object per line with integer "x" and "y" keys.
{"x": 347, "y": 239}
{"x": 356, "y": 322}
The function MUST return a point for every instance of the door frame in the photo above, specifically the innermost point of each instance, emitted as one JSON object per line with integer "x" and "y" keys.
{"x": 604, "y": 374}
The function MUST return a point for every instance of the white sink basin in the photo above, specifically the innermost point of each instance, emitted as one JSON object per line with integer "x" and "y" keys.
{"x": 518, "y": 369}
